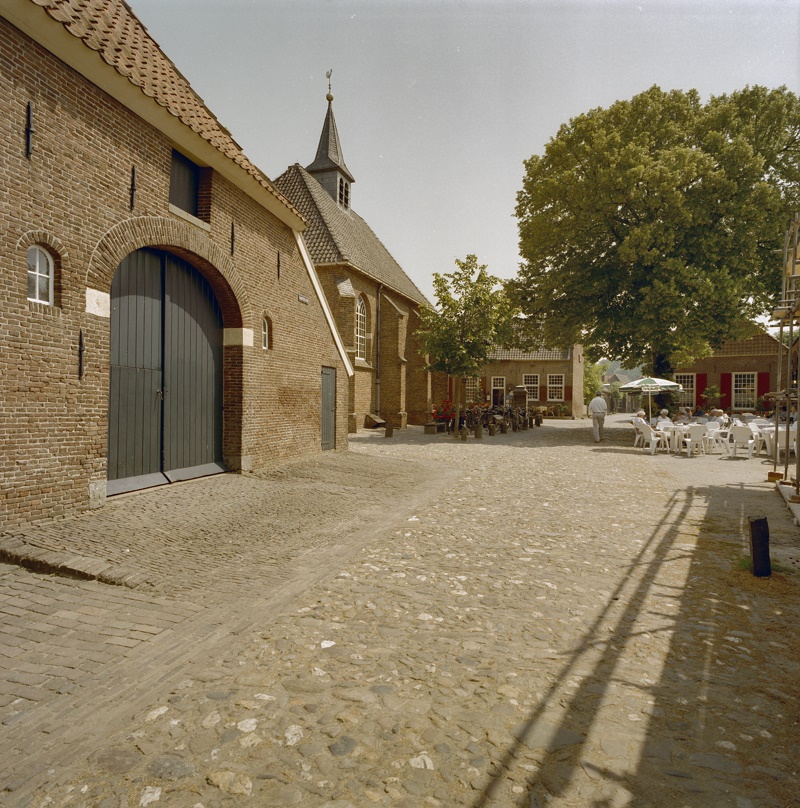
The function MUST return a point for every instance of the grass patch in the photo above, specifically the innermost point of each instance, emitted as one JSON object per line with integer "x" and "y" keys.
{"x": 743, "y": 564}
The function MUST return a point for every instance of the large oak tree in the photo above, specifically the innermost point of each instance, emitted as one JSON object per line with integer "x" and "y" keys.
{"x": 648, "y": 229}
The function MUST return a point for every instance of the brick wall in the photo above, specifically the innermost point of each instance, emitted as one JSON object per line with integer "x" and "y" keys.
{"x": 401, "y": 402}
{"x": 514, "y": 370}
{"x": 73, "y": 197}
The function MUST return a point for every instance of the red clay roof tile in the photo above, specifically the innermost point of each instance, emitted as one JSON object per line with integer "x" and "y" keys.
{"x": 112, "y": 29}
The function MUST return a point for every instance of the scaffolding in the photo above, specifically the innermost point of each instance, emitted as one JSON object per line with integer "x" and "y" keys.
{"x": 786, "y": 317}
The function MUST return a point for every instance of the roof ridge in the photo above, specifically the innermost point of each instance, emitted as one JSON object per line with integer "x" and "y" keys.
{"x": 112, "y": 29}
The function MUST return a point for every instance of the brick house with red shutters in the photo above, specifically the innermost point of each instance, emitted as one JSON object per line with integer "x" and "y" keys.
{"x": 376, "y": 305}
{"x": 744, "y": 370}
{"x": 552, "y": 377}
{"x": 162, "y": 318}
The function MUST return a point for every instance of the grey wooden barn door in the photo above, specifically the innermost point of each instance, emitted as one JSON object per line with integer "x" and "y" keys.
{"x": 165, "y": 395}
{"x": 328, "y": 408}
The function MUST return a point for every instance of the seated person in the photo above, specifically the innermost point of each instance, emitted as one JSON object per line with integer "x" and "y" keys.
{"x": 682, "y": 416}
{"x": 698, "y": 412}
{"x": 663, "y": 419}
{"x": 638, "y": 419}
{"x": 717, "y": 417}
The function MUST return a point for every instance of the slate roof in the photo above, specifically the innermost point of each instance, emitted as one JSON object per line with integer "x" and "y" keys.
{"x": 337, "y": 236}
{"x": 329, "y": 151}
{"x": 112, "y": 29}
{"x": 504, "y": 354}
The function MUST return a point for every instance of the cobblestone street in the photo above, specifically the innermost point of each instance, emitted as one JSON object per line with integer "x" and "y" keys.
{"x": 525, "y": 621}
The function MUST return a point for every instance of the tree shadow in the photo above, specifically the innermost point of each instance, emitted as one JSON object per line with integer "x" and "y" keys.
{"x": 716, "y": 729}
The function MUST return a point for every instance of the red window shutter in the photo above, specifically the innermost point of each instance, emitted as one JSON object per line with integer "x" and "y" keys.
{"x": 542, "y": 392}
{"x": 700, "y": 384}
{"x": 567, "y": 394}
{"x": 762, "y": 384}
{"x": 726, "y": 387}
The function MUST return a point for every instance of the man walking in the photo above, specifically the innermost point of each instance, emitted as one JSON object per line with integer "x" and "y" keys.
{"x": 598, "y": 408}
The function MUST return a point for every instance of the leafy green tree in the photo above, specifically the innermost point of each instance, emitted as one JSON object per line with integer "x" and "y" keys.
{"x": 473, "y": 315}
{"x": 592, "y": 379}
{"x": 647, "y": 228}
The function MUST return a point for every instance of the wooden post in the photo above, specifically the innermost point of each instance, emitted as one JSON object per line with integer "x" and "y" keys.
{"x": 759, "y": 547}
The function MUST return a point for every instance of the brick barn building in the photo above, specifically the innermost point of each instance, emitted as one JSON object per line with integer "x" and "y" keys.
{"x": 376, "y": 305}
{"x": 743, "y": 370}
{"x": 161, "y": 317}
{"x": 553, "y": 378}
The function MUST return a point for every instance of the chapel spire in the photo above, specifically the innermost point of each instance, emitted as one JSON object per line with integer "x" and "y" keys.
{"x": 329, "y": 167}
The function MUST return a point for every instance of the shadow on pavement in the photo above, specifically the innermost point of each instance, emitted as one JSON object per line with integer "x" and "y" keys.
{"x": 723, "y": 716}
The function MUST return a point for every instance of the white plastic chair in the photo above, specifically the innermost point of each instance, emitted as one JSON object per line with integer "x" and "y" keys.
{"x": 760, "y": 443}
{"x": 638, "y": 438}
{"x": 721, "y": 437}
{"x": 652, "y": 438}
{"x": 741, "y": 438}
{"x": 783, "y": 441}
{"x": 694, "y": 442}
{"x": 710, "y": 438}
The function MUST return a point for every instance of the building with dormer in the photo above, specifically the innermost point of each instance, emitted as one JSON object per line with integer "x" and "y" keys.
{"x": 162, "y": 318}
{"x": 375, "y": 304}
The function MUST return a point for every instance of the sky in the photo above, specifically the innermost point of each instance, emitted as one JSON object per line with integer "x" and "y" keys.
{"x": 438, "y": 103}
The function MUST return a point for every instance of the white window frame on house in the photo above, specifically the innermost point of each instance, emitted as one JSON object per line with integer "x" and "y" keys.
{"x": 41, "y": 275}
{"x": 555, "y": 386}
{"x": 471, "y": 389}
{"x": 530, "y": 381}
{"x": 499, "y": 383}
{"x": 744, "y": 390}
{"x": 689, "y": 383}
{"x": 361, "y": 328}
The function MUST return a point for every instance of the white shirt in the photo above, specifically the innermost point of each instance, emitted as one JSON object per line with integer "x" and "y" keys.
{"x": 598, "y": 406}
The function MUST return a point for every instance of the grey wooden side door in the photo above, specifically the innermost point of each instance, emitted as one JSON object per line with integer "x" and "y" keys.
{"x": 165, "y": 394}
{"x": 328, "y": 408}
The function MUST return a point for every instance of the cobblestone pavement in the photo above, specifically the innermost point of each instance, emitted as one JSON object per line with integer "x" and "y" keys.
{"x": 568, "y": 624}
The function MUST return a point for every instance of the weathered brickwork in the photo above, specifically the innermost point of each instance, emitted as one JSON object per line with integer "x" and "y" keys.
{"x": 405, "y": 385}
{"x": 514, "y": 371}
{"x": 757, "y": 355}
{"x": 72, "y": 196}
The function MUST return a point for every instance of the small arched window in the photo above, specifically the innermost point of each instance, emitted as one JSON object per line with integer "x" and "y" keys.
{"x": 266, "y": 334}
{"x": 361, "y": 329}
{"x": 41, "y": 275}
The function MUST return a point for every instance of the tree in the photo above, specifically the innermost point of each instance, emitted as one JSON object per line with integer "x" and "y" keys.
{"x": 647, "y": 228}
{"x": 473, "y": 315}
{"x": 592, "y": 379}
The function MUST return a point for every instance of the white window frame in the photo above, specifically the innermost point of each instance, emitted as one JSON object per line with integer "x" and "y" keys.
{"x": 498, "y": 383}
{"x": 40, "y": 267}
{"x": 688, "y": 398}
{"x": 471, "y": 390}
{"x": 361, "y": 328}
{"x": 554, "y": 386}
{"x": 738, "y": 389}
{"x": 529, "y": 384}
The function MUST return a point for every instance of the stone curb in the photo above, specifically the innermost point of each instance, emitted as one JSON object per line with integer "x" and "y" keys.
{"x": 19, "y": 551}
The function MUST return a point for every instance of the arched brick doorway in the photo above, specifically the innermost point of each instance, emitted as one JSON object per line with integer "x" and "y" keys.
{"x": 166, "y": 376}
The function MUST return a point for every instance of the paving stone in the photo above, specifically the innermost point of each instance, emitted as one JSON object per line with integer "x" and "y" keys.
{"x": 437, "y": 623}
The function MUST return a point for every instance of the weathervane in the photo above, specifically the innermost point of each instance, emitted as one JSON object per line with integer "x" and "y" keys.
{"x": 328, "y": 76}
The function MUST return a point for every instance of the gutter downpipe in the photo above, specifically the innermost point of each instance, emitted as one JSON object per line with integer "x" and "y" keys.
{"x": 378, "y": 351}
